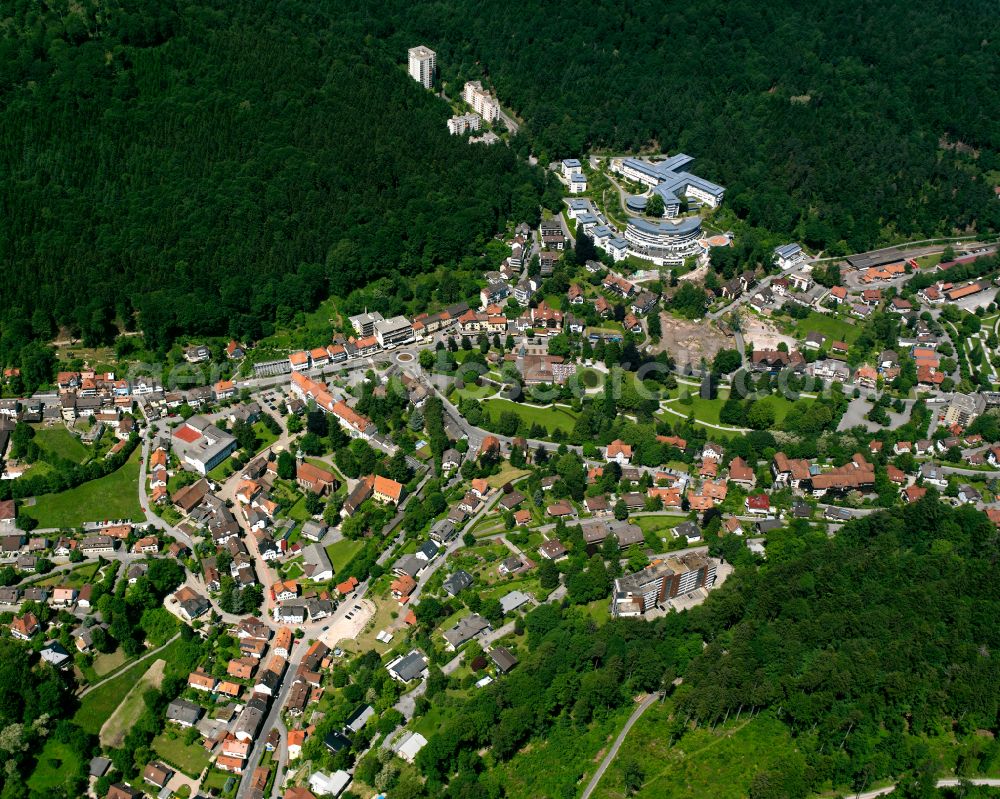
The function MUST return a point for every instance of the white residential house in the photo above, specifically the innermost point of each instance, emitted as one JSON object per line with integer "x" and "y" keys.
{"x": 788, "y": 256}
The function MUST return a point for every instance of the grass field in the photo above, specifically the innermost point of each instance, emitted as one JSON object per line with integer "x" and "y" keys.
{"x": 105, "y": 663}
{"x": 298, "y": 511}
{"x": 293, "y": 570}
{"x": 549, "y": 418}
{"x": 99, "y": 704}
{"x": 59, "y": 441}
{"x": 222, "y": 471}
{"x": 431, "y": 721}
{"x": 781, "y": 406}
{"x": 596, "y": 611}
{"x": 76, "y": 578}
{"x": 833, "y": 327}
{"x": 191, "y": 759}
{"x": 57, "y": 763}
{"x": 720, "y": 763}
{"x": 127, "y": 713}
{"x": 342, "y": 552}
{"x": 115, "y": 496}
{"x": 264, "y": 436}
{"x": 506, "y": 474}
{"x": 657, "y": 524}
{"x": 706, "y": 410}
{"x": 216, "y": 780}
{"x": 472, "y": 391}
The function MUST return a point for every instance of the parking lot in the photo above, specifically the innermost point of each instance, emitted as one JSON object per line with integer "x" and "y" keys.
{"x": 274, "y": 400}
{"x": 352, "y": 616}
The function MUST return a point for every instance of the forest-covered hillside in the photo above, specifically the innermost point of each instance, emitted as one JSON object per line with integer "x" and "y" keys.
{"x": 216, "y": 165}
{"x": 866, "y": 646}
{"x": 825, "y": 120}
{"x": 212, "y": 164}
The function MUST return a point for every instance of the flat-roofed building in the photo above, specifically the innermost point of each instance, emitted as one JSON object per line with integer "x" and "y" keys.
{"x": 637, "y": 593}
{"x": 422, "y": 65}
{"x": 665, "y": 242}
{"x": 394, "y": 331}
{"x": 364, "y": 323}
{"x": 464, "y": 123}
{"x": 481, "y": 101}
{"x": 201, "y": 445}
{"x": 962, "y": 410}
{"x": 788, "y": 255}
{"x": 669, "y": 180}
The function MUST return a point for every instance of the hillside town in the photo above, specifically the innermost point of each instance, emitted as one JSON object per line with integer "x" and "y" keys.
{"x": 337, "y": 539}
{"x": 421, "y": 549}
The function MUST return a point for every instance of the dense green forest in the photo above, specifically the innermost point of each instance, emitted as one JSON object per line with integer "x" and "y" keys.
{"x": 210, "y": 167}
{"x": 215, "y": 165}
{"x": 832, "y": 121}
{"x": 864, "y": 645}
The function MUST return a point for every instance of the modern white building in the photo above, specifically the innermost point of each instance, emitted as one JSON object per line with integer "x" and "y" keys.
{"x": 577, "y": 183}
{"x": 201, "y": 445}
{"x": 364, "y": 323}
{"x": 617, "y": 248}
{"x": 481, "y": 101}
{"x": 668, "y": 179}
{"x": 458, "y": 125}
{"x": 788, "y": 256}
{"x": 423, "y": 62}
{"x": 410, "y": 745}
{"x": 662, "y": 580}
{"x": 664, "y": 242}
{"x": 578, "y": 207}
{"x": 392, "y": 332}
{"x": 570, "y": 166}
{"x": 608, "y": 239}
{"x": 329, "y": 784}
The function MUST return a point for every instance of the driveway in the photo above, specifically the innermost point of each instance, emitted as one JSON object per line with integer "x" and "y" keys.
{"x": 408, "y": 702}
{"x": 178, "y": 780}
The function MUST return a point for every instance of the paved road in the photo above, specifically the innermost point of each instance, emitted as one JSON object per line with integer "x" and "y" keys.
{"x": 280, "y": 760}
{"x": 28, "y": 579}
{"x": 969, "y": 472}
{"x": 721, "y": 427}
{"x": 440, "y": 560}
{"x": 512, "y": 124}
{"x": 152, "y": 518}
{"x": 642, "y": 708}
{"x": 764, "y": 282}
{"x": 949, "y": 782}
{"x": 273, "y": 718}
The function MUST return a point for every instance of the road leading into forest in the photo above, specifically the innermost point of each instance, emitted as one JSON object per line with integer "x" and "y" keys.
{"x": 950, "y": 782}
{"x": 643, "y": 707}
